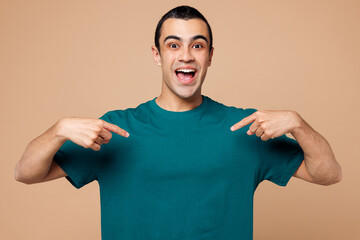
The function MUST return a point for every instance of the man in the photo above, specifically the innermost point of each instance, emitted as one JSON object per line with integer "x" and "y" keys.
{"x": 189, "y": 168}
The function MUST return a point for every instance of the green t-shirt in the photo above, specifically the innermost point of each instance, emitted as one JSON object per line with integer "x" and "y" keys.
{"x": 180, "y": 175}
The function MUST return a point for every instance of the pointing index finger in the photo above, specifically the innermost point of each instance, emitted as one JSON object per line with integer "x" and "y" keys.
{"x": 245, "y": 121}
{"x": 116, "y": 129}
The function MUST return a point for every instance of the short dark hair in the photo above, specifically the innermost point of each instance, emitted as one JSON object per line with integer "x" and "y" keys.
{"x": 185, "y": 13}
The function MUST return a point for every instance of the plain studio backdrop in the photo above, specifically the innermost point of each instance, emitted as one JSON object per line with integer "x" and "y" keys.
{"x": 84, "y": 58}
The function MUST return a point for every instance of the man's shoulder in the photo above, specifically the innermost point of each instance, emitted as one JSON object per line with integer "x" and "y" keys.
{"x": 122, "y": 113}
{"x": 233, "y": 110}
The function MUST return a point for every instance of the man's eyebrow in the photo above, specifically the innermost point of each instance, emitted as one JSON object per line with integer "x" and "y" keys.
{"x": 192, "y": 39}
{"x": 172, "y": 37}
{"x": 199, "y": 37}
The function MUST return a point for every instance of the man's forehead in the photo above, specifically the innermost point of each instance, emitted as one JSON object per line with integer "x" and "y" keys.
{"x": 185, "y": 29}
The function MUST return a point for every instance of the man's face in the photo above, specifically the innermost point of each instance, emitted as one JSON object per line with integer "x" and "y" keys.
{"x": 184, "y": 56}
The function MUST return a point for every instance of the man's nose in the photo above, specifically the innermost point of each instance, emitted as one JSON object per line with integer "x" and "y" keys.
{"x": 186, "y": 55}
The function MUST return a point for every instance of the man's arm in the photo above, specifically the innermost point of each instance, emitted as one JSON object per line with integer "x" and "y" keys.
{"x": 36, "y": 162}
{"x": 37, "y": 165}
{"x": 319, "y": 165}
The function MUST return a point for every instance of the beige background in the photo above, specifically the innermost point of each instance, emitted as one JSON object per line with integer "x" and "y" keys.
{"x": 83, "y": 58}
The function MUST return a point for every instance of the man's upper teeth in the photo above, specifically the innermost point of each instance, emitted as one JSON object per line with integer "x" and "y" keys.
{"x": 186, "y": 70}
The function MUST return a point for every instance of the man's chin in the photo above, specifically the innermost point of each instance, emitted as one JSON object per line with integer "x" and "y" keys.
{"x": 189, "y": 95}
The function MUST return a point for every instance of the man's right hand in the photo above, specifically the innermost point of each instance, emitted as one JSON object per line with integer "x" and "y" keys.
{"x": 37, "y": 165}
{"x": 88, "y": 133}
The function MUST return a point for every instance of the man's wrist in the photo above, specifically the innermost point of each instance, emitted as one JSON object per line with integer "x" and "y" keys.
{"x": 59, "y": 130}
{"x": 299, "y": 125}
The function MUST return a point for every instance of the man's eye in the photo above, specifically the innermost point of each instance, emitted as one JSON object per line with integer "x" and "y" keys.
{"x": 173, "y": 45}
{"x": 198, "y": 46}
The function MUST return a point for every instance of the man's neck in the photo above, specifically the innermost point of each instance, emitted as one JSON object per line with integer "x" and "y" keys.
{"x": 171, "y": 102}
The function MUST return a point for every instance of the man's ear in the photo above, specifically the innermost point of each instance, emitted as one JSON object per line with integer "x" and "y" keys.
{"x": 156, "y": 55}
{"x": 211, "y": 55}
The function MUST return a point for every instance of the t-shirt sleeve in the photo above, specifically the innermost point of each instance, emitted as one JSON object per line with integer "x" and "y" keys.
{"x": 279, "y": 159}
{"x": 80, "y": 164}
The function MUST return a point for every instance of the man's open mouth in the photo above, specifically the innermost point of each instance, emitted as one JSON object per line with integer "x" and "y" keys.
{"x": 185, "y": 75}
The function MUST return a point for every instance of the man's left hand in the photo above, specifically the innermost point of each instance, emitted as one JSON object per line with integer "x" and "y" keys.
{"x": 270, "y": 123}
